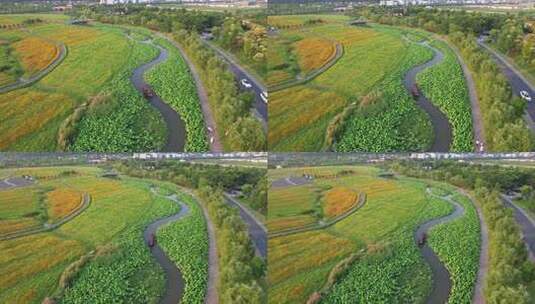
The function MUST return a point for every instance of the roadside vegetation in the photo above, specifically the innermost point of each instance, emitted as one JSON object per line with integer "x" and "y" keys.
{"x": 337, "y": 264}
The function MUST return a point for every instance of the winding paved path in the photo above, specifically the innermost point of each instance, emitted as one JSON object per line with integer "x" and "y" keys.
{"x": 527, "y": 224}
{"x": 441, "y": 277}
{"x": 441, "y": 125}
{"x": 23, "y": 82}
{"x": 14, "y": 182}
{"x": 209, "y": 121}
{"x": 257, "y": 231}
{"x": 174, "y": 285}
{"x": 176, "y": 130}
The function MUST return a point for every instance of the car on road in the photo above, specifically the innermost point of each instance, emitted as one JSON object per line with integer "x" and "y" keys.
{"x": 264, "y": 96}
{"x": 525, "y": 95}
{"x": 246, "y": 83}
{"x": 415, "y": 91}
{"x": 152, "y": 240}
{"x": 147, "y": 92}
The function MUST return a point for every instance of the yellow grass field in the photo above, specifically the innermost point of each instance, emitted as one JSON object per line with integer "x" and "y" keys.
{"x": 35, "y": 54}
{"x": 62, "y": 202}
{"x": 339, "y": 200}
{"x": 314, "y": 52}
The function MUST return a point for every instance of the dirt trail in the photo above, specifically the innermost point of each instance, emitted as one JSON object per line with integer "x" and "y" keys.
{"x": 441, "y": 125}
{"x": 442, "y": 283}
{"x": 174, "y": 285}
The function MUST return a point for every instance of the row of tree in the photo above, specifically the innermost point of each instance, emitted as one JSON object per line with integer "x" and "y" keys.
{"x": 240, "y": 270}
{"x": 510, "y": 272}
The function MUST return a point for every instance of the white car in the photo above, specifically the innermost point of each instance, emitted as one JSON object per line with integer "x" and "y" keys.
{"x": 525, "y": 95}
{"x": 264, "y": 96}
{"x": 246, "y": 83}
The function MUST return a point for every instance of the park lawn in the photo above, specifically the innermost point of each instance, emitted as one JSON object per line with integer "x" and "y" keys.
{"x": 97, "y": 54}
{"x": 118, "y": 208}
{"x": 35, "y": 54}
{"x": 300, "y": 115}
{"x": 300, "y": 263}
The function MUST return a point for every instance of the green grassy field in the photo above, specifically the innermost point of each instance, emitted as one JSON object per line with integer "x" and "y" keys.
{"x": 99, "y": 256}
{"x": 380, "y": 234}
{"x": 97, "y": 55}
{"x": 366, "y": 81}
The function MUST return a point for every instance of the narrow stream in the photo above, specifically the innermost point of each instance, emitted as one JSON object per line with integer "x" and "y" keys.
{"x": 441, "y": 125}
{"x": 176, "y": 130}
{"x": 174, "y": 284}
{"x": 441, "y": 277}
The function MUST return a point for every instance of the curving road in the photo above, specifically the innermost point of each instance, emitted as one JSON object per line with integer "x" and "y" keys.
{"x": 441, "y": 125}
{"x": 257, "y": 231}
{"x": 527, "y": 224}
{"x": 174, "y": 285}
{"x": 517, "y": 81}
{"x": 260, "y": 107}
{"x": 441, "y": 277}
{"x": 176, "y": 130}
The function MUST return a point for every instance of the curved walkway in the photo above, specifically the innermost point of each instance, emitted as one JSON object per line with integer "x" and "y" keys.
{"x": 338, "y": 54}
{"x": 209, "y": 121}
{"x": 176, "y": 130}
{"x": 22, "y": 82}
{"x": 174, "y": 285}
{"x": 257, "y": 231}
{"x": 527, "y": 225}
{"x": 441, "y": 125}
{"x": 441, "y": 277}
{"x": 84, "y": 204}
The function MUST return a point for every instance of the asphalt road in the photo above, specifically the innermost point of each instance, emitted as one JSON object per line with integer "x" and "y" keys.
{"x": 176, "y": 130}
{"x": 240, "y": 73}
{"x": 442, "y": 283}
{"x": 174, "y": 285}
{"x": 526, "y": 224}
{"x": 257, "y": 231}
{"x": 515, "y": 78}
{"x": 441, "y": 125}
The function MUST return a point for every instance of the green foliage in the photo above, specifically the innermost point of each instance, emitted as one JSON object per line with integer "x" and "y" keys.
{"x": 444, "y": 84}
{"x": 457, "y": 244}
{"x": 394, "y": 123}
{"x": 172, "y": 81}
{"x": 397, "y": 270}
{"x": 128, "y": 122}
{"x": 186, "y": 243}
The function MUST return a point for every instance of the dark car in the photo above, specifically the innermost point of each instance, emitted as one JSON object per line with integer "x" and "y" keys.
{"x": 422, "y": 240}
{"x": 147, "y": 92}
{"x": 415, "y": 91}
{"x": 151, "y": 241}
